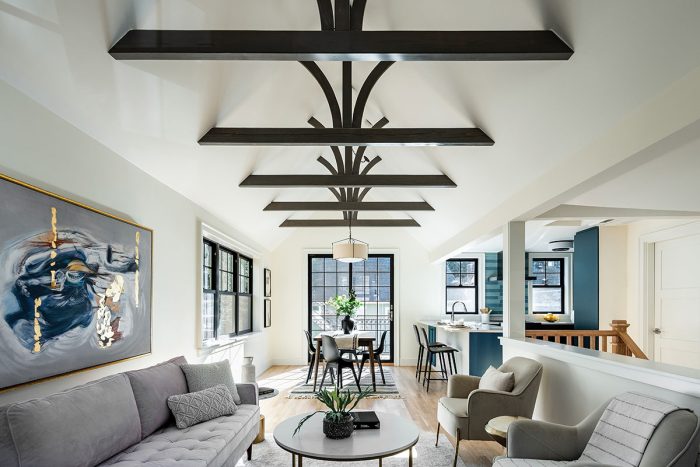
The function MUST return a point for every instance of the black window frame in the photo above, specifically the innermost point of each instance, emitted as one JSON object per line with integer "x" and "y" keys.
{"x": 561, "y": 286}
{"x": 216, "y": 272}
{"x": 475, "y": 286}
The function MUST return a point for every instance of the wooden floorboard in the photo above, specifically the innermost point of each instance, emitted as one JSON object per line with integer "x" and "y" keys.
{"x": 417, "y": 405}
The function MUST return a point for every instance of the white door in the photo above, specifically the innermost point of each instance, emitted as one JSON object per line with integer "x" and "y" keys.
{"x": 677, "y": 301}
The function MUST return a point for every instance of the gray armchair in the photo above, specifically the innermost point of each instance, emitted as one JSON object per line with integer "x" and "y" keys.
{"x": 673, "y": 444}
{"x": 467, "y": 409}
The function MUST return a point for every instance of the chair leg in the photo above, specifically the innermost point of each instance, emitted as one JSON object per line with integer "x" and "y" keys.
{"x": 442, "y": 365}
{"x": 437, "y": 435}
{"x": 357, "y": 379}
{"x": 454, "y": 362}
{"x": 340, "y": 378}
{"x": 323, "y": 378}
{"x": 419, "y": 362}
{"x": 311, "y": 367}
{"x": 428, "y": 373}
{"x": 454, "y": 462}
{"x": 381, "y": 369}
{"x": 249, "y": 451}
{"x": 362, "y": 366}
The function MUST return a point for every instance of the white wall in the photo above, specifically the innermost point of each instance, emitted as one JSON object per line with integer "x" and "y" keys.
{"x": 417, "y": 293}
{"x": 41, "y": 149}
{"x": 612, "y": 274}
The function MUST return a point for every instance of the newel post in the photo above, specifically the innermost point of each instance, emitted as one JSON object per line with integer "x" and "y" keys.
{"x": 618, "y": 344}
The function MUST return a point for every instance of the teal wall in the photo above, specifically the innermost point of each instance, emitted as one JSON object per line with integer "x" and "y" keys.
{"x": 586, "y": 276}
{"x": 494, "y": 289}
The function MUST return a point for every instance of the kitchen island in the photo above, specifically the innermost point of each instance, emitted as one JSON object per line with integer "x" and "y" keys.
{"x": 478, "y": 346}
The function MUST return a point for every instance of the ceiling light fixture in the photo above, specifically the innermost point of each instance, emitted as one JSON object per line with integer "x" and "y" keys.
{"x": 350, "y": 250}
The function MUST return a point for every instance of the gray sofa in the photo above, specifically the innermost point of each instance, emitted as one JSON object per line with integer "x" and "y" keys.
{"x": 123, "y": 420}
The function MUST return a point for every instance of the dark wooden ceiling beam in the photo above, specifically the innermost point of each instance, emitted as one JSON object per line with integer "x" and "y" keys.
{"x": 348, "y": 206}
{"x": 346, "y": 137}
{"x": 304, "y": 181}
{"x": 139, "y": 44}
{"x": 355, "y": 223}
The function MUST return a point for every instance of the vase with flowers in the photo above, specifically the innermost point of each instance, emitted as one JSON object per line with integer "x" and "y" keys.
{"x": 345, "y": 305}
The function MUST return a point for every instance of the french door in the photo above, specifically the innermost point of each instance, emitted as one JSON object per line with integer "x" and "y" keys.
{"x": 373, "y": 283}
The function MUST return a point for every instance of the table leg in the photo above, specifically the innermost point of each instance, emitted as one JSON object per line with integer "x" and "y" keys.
{"x": 380, "y": 462}
{"x": 300, "y": 460}
{"x": 316, "y": 360}
{"x": 371, "y": 369}
{"x": 294, "y": 460}
{"x": 410, "y": 457}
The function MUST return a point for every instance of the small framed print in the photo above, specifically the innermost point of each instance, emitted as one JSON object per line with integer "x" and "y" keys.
{"x": 268, "y": 283}
{"x": 268, "y": 313}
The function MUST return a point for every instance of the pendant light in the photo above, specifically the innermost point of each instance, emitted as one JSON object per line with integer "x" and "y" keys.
{"x": 350, "y": 250}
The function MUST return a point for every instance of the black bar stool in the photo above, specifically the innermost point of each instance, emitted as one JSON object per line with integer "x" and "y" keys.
{"x": 439, "y": 352}
{"x": 421, "y": 351}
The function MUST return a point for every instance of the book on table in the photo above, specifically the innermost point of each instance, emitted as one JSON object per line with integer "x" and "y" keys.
{"x": 365, "y": 420}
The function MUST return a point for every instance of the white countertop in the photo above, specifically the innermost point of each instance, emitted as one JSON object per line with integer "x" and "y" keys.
{"x": 478, "y": 327}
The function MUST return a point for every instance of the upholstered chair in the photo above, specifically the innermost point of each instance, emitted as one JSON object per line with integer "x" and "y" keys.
{"x": 467, "y": 409}
{"x": 674, "y": 442}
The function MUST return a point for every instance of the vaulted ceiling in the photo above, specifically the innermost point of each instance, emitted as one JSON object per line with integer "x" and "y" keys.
{"x": 539, "y": 113}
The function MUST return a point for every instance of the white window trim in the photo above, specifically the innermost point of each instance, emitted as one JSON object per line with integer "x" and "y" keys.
{"x": 568, "y": 279}
{"x": 481, "y": 284}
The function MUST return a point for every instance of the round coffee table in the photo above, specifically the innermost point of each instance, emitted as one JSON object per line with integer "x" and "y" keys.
{"x": 396, "y": 434}
{"x": 497, "y": 428}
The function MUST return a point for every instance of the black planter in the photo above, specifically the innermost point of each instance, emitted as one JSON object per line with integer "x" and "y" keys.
{"x": 338, "y": 430}
{"x": 347, "y": 324}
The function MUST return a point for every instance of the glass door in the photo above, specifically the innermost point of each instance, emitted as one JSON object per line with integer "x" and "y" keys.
{"x": 373, "y": 282}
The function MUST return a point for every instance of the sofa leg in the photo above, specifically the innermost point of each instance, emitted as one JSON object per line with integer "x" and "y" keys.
{"x": 437, "y": 436}
{"x": 454, "y": 462}
{"x": 250, "y": 452}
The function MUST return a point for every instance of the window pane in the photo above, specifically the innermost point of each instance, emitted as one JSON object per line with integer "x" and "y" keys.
{"x": 468, "y": 296}
{"x": 317, "y": 279}
{"x": 537, "y": 267}
{"x": 358, "y": 280}
{"x": 468, "y": 279}
{"x": 330, "y": 279}
{"x": 244, "y": 284}
{"x": 317, "y": 294}
{"x": 329, "y": 264}
{"x": 384, "y": 279}
{"x": 371, "y": 264}
{"x": 453, "y": 267}
{"x": 244, "y": 267}
{"x": 245, "y": 314}
{"x": 226, "y": 315}
{"x": 343, "y": 290}
{"x": 539, "y": 279}
{"x": 207, "y": 254}
{"x": 553, "y": 279}
{"x": 230, "y": 263}
{"x": 384, "y": 264}
{"x": 206, "y": 278}
{"x": 316, "y": 264}
{"x": 384, "y": 294}
{"x": 330, "y": 292}
{"x": 452, "y": 279}
{"x": 553, "y": 266}
{"x": 208, "y": 316}
{"x": 342, "y": 267}
{"x": 468, "y": 267}
{"x": 343, "y": 279}
{"x": 546, "y": 300}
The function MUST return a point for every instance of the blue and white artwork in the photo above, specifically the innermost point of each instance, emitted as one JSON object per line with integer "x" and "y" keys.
{"x": 75, "y": 286}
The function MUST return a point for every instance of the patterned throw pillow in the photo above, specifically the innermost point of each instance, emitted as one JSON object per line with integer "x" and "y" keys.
{"x": 197, "y": 407}
{"x": 207, "y": 375}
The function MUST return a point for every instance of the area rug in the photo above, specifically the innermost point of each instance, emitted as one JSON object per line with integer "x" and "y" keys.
{"x": 425, "y": 454}
{"x": 388, "y": 390}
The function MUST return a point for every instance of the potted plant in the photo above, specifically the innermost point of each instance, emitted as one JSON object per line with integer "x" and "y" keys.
{"x": 338, "y": 422}
{"x": 347, "y": 306}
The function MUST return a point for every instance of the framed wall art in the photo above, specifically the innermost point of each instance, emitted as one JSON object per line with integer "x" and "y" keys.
{"x": 268, "y": 313}
{"x": 75, "y": 286}
{"x": 268, "y": 283}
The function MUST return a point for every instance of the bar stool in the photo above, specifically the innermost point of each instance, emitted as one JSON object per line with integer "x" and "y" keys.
{"x": 439, "y": 352}
{"x": 421, "y": 351}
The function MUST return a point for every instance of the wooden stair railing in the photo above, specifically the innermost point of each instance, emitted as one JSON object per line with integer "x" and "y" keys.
{"x": 620, "y": 342}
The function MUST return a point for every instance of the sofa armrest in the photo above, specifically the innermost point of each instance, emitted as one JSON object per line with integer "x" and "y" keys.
{"x": 248, "y": 393}
{"x": 530, "y": 439}
{"x": 460, "y": 386}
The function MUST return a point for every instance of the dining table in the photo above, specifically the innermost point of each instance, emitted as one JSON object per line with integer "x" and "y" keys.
{"x": 364, "y": 339}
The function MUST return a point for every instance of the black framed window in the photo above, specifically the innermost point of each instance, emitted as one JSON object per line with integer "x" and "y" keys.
{"x": 227, "y": 300}
{"x": 462, "y": 285}
{"x": 548, "y": 286}
{"x": 373, "y": 282}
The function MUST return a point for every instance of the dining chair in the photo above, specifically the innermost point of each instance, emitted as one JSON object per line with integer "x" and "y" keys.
{"x": 335, "y": 361}
{"x": 377, "y": 354}
{"x": 312, "y": 353}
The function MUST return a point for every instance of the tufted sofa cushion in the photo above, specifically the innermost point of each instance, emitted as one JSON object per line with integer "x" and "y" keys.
{"x": 207, "y": 444}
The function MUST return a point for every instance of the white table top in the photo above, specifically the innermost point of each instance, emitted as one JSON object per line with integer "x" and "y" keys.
{"x": 396, "y": 434}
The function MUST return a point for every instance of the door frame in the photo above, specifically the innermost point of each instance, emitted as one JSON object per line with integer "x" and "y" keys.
{"x": 647, "y": 272}
{"x": 396, "y": 296}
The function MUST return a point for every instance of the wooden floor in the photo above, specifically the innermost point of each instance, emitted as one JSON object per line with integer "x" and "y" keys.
{"x": 416, "y": 405}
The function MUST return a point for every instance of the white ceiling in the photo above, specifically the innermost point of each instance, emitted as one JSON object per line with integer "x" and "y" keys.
{"x": 539, "y": 113}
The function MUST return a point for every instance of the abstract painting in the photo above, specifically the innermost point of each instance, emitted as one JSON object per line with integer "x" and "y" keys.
{"x": 75, "y": 286}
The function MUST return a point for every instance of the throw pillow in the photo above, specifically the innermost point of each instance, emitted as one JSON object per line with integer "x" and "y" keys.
{"x": 197, "y": 407}
{"x": 496, "y": 380}
{"x": 206, "y": 375}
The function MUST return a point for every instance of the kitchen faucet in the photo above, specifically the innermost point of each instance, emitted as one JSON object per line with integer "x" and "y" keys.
{"x": 453, "y": 309}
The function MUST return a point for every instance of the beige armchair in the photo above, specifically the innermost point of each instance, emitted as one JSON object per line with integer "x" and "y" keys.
{"x": 467, "y": 409}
